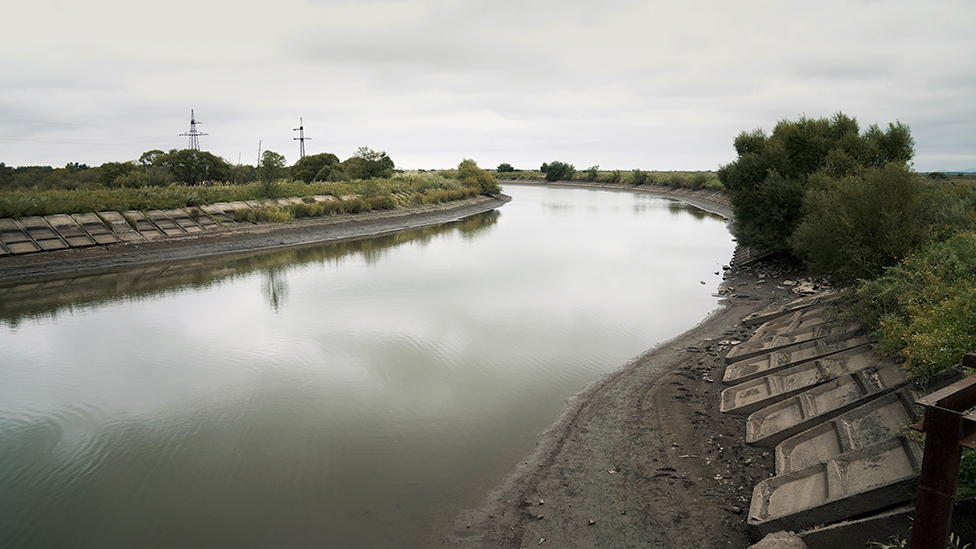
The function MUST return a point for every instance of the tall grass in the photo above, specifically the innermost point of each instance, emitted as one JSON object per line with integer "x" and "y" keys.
{"x": 400, "y": 190}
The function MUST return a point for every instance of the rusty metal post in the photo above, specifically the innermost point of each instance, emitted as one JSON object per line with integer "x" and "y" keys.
{"x": 947, "y": 430}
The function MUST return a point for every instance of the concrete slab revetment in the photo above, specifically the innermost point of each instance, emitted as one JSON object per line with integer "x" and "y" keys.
{"x": 96, "y": 228}
{"x": 142, "y": 224}
{"x": 853, "y": 483}
{"x": 763, "y": 344}
{"x": 15, "y": 238}
{"x": 70, "y": 230}
{"x": 750, "y": 396}
{"x": 765, "y": 315}
{"x": 885, "y": 417}
{"x": 775, "y": 423}
{"x": 221, "y": 212}
{"x": 794, "y": 355}
{"x": 164, "y": 223}
{"x": 184, "y": 221}
{"x": 120, "y": 226}
{"x": 42, "y": 233}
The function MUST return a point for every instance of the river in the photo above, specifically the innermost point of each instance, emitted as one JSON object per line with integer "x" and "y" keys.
{"x": 352, "y": 394}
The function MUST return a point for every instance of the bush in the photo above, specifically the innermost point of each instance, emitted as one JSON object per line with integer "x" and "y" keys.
{"x": 856, "y": 226}
{"x": 922, "y": 308}
{"x": 558, "y": 171}
{"x": 470, "y": 175}
{"x": 767, "y": 182}
{"x": 638, "y": 177}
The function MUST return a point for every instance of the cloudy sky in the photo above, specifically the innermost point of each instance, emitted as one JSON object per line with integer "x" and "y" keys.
{"x": 657, "y": 85}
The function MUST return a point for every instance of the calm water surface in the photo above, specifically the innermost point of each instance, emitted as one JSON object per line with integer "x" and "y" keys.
{"x": 345, "y": 395}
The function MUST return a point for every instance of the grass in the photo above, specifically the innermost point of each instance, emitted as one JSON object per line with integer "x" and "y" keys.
{"x": 400, "y": 190}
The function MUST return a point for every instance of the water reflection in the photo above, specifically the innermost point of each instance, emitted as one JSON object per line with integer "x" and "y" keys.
{"x": 50, "y": 298}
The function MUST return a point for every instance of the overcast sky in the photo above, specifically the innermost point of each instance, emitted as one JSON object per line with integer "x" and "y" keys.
{"x": 656, "y": 85}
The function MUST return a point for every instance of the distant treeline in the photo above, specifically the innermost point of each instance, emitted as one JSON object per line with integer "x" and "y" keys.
{"x": 562, "y": 171}
{"x": 156, "y": 168}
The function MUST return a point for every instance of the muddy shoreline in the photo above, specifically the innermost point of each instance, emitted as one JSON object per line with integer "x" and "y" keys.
{"x": 642, "y": 457}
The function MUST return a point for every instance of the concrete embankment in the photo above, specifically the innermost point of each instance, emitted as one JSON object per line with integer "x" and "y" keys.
{"x": 108, "y": 240}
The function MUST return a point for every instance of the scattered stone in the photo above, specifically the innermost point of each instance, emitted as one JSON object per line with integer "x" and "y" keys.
{"x": 591, "y": 522}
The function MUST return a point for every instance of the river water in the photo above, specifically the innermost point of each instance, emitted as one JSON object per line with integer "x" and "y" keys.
{"x": 341, "y": 395}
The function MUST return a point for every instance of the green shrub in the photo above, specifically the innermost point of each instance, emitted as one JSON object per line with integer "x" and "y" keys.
{"x": 856, "y": 226}
{"x": 638, "y": 177}
{"x": 922, "y": 308}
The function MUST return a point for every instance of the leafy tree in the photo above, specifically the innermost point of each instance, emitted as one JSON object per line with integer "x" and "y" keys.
{"x": 470, "y": 175}
{"x": 314, "y": 167}
{"x": 768, "y": 180}
{"x": 193, "y": 167}
{"x": 505, "y": 167}
{"x": 148, "y": 158}
{"x": 368, "y": 164}
{"x": 558, "y": 171}
{"x": 110, "y": 171}
{"x": 271, "y": 169}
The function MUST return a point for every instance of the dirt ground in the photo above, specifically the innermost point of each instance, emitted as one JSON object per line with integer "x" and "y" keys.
{"x": 643, "y": 457}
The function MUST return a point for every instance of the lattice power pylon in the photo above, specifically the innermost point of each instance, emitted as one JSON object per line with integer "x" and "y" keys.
{"x": 301, "y": 139}
{"x": 193, "y": 133}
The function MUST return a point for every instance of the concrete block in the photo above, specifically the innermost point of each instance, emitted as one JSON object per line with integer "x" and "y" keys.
{"x": 872, "y": 478}
{"x": 880, "y": 419}
{"x": 765, "y": 315}
{"x": 239, "y": 205}
{"x": 96, "y": 228}
{"x": 15, "y": 238}
{"x": 221, "y": 212}
{"x": 285, "y": 202}
{"x": 324, "y": 198}
{"x": 164, "y": 223}
{"x": 70, "y": 231}
{"x": 3, "y": 249}
{"x": 799, "y": 320}
{"x": 183, "y": 220}
{"x": 777, "y": 422}
{"x": 120, "y": 227}
{"x": 143, "y": 225}
{"x": 42, "y": 233}
{"x": 794, "y": 355}
{"x": 201, "y": 218}
{"x": 750, "y": 396}
{"x": 762, "y": 344}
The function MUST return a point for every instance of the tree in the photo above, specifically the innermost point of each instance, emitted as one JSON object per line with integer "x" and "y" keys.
{"x": 271, "y": 169}
{"x": 505, "y": 167}
{"x": 193, "y": 167}
{"x": 368, "y": 164}
{"x": 767, "y": 182}
{"x": 558, "y": 171}
{"x": 314, "y": 167}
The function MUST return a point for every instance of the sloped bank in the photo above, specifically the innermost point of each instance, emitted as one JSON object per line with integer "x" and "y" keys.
{"x": 239, "y": 238}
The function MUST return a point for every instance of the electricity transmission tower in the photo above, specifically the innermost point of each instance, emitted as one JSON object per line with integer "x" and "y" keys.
{"x": 301, "y": 139}
{"x": 193, "y": 133}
